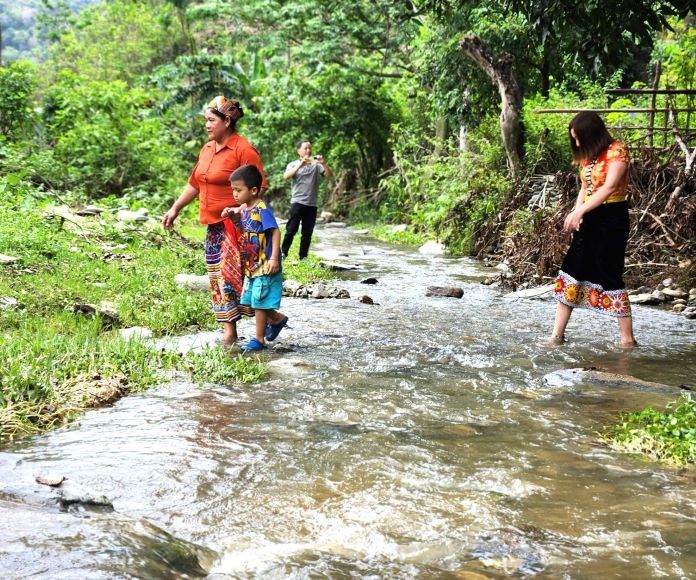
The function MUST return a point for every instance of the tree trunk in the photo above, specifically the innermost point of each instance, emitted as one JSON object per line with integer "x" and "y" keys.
{"x": 441, "y": 131}
{"x": 499, "y": 69}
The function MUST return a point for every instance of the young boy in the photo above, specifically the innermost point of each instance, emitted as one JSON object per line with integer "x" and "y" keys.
{"x": 260, "y": 250}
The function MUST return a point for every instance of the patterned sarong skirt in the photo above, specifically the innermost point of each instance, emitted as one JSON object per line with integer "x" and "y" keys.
{"x": 225, "y": 273}
{"x": 591, "y": 275}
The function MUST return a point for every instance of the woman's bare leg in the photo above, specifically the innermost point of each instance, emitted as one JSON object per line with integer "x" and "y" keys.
{"x": 626, "y": 332}
{"x": 229, "y": 332}
{"x": 563, "y": 312}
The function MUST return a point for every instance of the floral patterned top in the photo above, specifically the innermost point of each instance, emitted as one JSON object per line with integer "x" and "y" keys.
{"x": 594, "y": 173}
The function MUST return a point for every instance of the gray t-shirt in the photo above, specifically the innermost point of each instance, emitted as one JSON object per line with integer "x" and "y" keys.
{"x": 305, "y": 182}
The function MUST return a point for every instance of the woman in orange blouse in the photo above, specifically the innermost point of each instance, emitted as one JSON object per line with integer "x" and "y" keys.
{"x": 591, "y": 275}
{"x": 225, "y": 151}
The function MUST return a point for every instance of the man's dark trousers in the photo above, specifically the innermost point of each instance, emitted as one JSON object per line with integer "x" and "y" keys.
{"x": 307, "y": 216}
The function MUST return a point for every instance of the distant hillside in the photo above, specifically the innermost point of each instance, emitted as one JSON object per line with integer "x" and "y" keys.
{"x": 20, "y": 36}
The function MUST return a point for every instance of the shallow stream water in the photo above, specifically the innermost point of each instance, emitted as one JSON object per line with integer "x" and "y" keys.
{"x": 413, "y": 438}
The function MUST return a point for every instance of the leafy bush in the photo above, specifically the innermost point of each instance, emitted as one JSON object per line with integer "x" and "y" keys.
{"x": 668, "y": 436}
{"x": 17, "y": 85}
{"x": 110, "y": 143}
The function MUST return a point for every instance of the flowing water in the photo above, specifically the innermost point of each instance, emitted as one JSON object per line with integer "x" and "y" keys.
{"x": 413, "y": 438}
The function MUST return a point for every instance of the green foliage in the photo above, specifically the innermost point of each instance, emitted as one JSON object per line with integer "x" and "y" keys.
{"x": 114, "y": 41}
{"x": 668, "y": 436}
{"x": 16, "y": 99}
{"x": 400, "y": 237}
{"x": 106, "y": 138}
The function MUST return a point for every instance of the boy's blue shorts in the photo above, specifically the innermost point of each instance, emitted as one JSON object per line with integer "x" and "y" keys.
{"x": 263, "y": 292}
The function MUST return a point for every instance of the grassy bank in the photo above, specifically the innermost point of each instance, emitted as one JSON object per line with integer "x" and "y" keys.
{"x": 57, "y": 356}
{"x": 666, "y": 435}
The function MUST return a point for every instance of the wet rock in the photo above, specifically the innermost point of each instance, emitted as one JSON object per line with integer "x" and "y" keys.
{"x": 640, "y": 290}
{"x": 572, "y": 377}
{"x": 537, "y": 292}
{"x": 336, "y": 225}
{"x": 667, "y": 282}
{"x": 678, "y": 307}
{"x": 339, "y": 293}
{"x": 320, "y": 291}
{"x": 326, "y": 216}
{"x": 398, "y": 228}
{"x": 674, "y": 293}
{"x": 445, "y": 291}
{"x": 369, "y": 281}
{"x": 192, "y": 282}
{"x": 690, "y": 315}
{"x": 493, "y": 280}
{"x": 336, "y": 267}
{"x": 72, "y": 493}
{"x": 361, "y": 232}
{"x": 50, "y": 480}
{"x": 365, "y": 299}
{"x": 290, "y": 287}
{"x": 432, "y": 248}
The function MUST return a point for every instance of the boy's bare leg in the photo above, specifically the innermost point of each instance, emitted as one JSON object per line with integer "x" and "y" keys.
{"x": 275, "y": 317}
{"x": 261, "y": 317}
{"x": 229, "y": 332}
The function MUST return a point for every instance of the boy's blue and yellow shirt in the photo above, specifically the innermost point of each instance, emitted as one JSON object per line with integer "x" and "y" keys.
{"x": 256, "y": 246}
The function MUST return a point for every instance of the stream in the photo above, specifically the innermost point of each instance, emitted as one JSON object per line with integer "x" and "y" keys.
{"x": 412, "y": 438}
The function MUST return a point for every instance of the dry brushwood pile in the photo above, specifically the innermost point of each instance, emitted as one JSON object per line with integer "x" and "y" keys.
{"x": 662, "y": 242}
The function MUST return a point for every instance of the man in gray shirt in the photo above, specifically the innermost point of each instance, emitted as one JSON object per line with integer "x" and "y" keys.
{"x": 305, "y": 173}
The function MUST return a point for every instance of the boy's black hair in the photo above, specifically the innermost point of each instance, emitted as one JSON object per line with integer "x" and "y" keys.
{"x": 300, "y": 142}
{"x": 249, "y": 174}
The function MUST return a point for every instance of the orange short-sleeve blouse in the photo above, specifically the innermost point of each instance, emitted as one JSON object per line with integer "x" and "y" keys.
{"x": 594, "y": 174}
{"x": 211, "y": 175}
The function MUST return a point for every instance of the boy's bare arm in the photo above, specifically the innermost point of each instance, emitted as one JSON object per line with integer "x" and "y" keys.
{"x": 273, "y": 264}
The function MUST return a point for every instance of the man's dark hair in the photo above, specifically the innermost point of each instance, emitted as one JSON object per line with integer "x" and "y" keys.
{"x": 249, "y": 174}
{"x": 299, "y": 143}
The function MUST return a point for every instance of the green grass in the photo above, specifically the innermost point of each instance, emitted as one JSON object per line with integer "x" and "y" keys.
{"x": 668, "y": 436}
{"x": 46, "y": 349}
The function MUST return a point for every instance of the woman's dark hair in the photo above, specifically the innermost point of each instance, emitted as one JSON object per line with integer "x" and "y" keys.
{"x": 592, "y": 134}
{"x": 249, "y": 174}
{"x": 300, "y": 142}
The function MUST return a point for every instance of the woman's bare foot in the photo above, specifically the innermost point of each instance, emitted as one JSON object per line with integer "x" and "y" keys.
{"x": 553, "y": 339}
{"x": 628, "y": 343}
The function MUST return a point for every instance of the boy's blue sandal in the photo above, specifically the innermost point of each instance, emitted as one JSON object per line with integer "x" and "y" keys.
{"x": 253, "y": 346}
{"x": 273, "y": 330}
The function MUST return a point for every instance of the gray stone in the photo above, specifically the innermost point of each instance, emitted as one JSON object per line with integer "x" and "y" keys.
{"x": 678, "y": 308}
{"x": 290, "y": 287}
{"x": 365, "y": 299}
{"x": 5, "y": 259}
{"x": 445, "y": 291}
{"x": 659, "y": 296}
{"x": 136, "y": 332}
{"x": 667, "y": 282}
{"x": 399, "y": 228}
{"x": 192, "y": 282}
{"x": 125, "y": 215}
{"x": 326, "y": 216}
{"x": 674, "y": 292}
{"x": 339, "y": 293}
{"x": 690, "y": 315}
{"x": 361, "y": 232}
{"x": 503, "y": 267}
{"x": 432, "y": 248}
{"x": 641, "y": 290}
{"x": 369, "y": 281}
{"x": 641, "y": 299}
{"x": 335, "y": 225}
{"x": 531, "y": 292}
{"x": 336, "y": 267}
{"x": 8, "y": 303}
{"x": 320, "y": 291}
{"x": 692, "y": 292}
{"x": 680, "y": 301}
